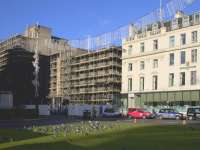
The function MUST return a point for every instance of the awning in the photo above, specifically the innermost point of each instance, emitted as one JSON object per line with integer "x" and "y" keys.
{"x": 143, "y": 98}
{"x": 186, "y": 95}
{"x": 157, "y": 97}
{"x": 194, "y": 96}
{"x": 171, "y": 96}
{"x": 163, "y": 96}
{"x": 149, "y": 97}
{"x": 178, "y": 96}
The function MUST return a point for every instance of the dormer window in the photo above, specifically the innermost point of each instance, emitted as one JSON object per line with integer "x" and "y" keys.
{"x": 142, "y": 32}
{"x": 186, "y": 21}
{"x": 144, "y": 29}
{"x": 196, "y": 18}
{"x": 174, "y": 24}
{"x": 132, "y": 31}
{"x": 154, "y": 27}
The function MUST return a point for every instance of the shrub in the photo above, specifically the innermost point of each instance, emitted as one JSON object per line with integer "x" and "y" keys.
{"x": 18, "y": 113}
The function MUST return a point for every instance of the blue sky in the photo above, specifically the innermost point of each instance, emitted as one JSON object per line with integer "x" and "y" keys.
{"x": 73, "y": 19}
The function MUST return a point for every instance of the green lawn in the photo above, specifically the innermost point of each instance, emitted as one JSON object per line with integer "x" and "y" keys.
{"x": 123, "y": 137}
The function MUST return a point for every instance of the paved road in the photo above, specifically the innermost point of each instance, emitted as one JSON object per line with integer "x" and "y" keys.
{"x": 164, "y": 122}
{"x": 60, "y": 120}
{"x": 35, "y": 122}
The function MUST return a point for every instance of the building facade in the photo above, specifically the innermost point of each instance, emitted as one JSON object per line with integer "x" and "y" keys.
{"x": 60, "y": 76}
{"x": 160, "y": 63}
{"x": 96, "y": 77}
{"x": 16, "y": 74}
{"x": 66, "y": 74}
{"x": 17, "y": 58}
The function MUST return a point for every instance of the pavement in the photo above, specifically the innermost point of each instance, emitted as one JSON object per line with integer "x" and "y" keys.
{"x": 56, "y": 120}
{"x": 33, "y": 122}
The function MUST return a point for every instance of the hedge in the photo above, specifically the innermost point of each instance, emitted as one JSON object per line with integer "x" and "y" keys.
{"x": 18, "y": 113}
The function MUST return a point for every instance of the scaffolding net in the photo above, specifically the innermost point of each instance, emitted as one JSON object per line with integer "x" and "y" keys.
{"x": 166, "y": 11}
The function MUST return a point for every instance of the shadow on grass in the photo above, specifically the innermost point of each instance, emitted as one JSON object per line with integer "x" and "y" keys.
{"x": 61, "y": 145}
{"x": 151, "y": 138}
{"x": 138, "y": 138}
{"x": 7, "y": 135}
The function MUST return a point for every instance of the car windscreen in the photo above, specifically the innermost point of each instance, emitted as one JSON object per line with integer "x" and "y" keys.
{"x": 146, "y": 110}
{"x": 197, "y": 110}
{"x": 191, "y": 110}
{"x": 110, "y": 110}
{"x": 131, "y": 109}
{"x": 162, "y": 111}
{"x": 176, "y": 111}
{"x": 172, "y": 111}
{"x": 141, "y": 111}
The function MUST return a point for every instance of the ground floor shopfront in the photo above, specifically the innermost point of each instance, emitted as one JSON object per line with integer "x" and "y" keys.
{"x": 176, "y": 99}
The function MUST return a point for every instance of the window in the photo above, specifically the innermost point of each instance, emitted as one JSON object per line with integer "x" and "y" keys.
{"x": 191, "y": 110}
{"x": 182, "y": 78}
{"x": 171, "y": 59}
{"x": 174, "y": 24}
{"x": 130, "y": 49}
{"x": 197, "y": 110}
{"x": 171, "y": 41}
{"x": 155, "y": 44}
{"x": 155, "y": 63}
{"x": 194, "y": 55}
{"x": 193, "y": 79}
{"x": 182, "y": 57}
{"x": 130, "y": 67}
{"x": 196, "y": 18}
{"x": 183, "y": 39}
{"x": 171, "y": 79}
{"x": 142, "y": 65}
{"x": 155, "y": 27}
{"x": 194, "y": 36}
{"x": 141, "y": 83}
{"x": 142, "y": 47}
{"x": 186, "y": 21}
{"x": 130, "y": 84}
{"x": 124, "y": 50}
{"x": 155, "y": 82}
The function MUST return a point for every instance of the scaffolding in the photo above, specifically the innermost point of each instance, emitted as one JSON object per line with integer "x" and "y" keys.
{"x": 96, "y": 76}
{"x": 60, "y": 74}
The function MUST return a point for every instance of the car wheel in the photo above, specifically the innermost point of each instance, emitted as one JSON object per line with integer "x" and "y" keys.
{"x": 190, "y": 118}
{"x": 177, "y": 118}
{"x": 160, "y": 117}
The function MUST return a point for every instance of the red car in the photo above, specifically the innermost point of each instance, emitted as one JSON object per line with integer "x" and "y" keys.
{"x": 138, "y": 113}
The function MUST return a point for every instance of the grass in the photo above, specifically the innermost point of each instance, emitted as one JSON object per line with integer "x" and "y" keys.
{"x": 123, "y": 137}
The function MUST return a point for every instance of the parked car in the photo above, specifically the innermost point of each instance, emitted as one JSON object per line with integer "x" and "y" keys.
{"x": 193, "y": 113}
{"x": 110, "y": 112}
{"x": 183, "y": 111}
{"x": 139, "y": 113}
{"x": 168, "y": 113}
